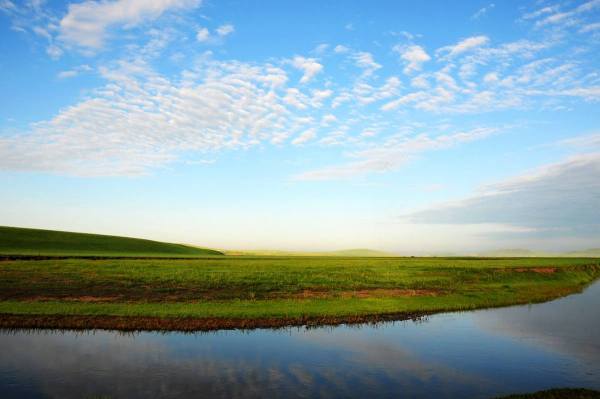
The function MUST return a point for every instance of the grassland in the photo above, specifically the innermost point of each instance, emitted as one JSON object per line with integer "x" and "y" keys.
{"x": 36, "y": 242}
{"x": 231, "y": 292}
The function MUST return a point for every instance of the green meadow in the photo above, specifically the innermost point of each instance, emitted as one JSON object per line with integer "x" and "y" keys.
{"x": 263, "y": 287}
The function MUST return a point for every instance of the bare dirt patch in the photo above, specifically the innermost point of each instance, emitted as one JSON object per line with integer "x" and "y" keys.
{"x": 370, "y": 293}
{"x": 86, "y": 298}
{"x": 541, "y": 270}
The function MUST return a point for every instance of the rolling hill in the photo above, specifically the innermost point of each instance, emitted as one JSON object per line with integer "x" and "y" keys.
{"x": 24, "y": 241}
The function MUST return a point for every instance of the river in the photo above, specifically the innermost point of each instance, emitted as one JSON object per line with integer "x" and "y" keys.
{"x": 479, "y": 354}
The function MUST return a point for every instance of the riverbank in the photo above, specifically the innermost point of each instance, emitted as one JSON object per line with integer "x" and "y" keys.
{"x": 253, "y": 292}
{"x": 559, "y": 393}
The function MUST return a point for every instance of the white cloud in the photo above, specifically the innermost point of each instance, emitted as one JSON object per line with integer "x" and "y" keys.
{"x": 141, "y": 120}
{"x": 318, "y": 96}
{"x": 368, "y": 133}
{"x": 588, "y": 93}
{"x": 561, "y": 197}
{"x": 540, "y": 12}
{"x": 394, "y": 153}
{"x": 86, "y": 23}
{"x": 74, "y": 71}
{"x": 339, "y": 49}
{"x": 590, "y": 27}
{"x": 463, "y": 46}
{"x": 225, "y": 30}
{"x": 304, "y": 137}
{"x": 296, "y": 98}
{"x": 7, "y": 5}
{"x": 365, "y": 61}
{"x": 203, "y": 35}
{"x": 54, "y": 51}
{"x": 406, "y": 99}
{"x": 483, "y": 11}
{"x": 588, "y": 142}
{"x": 491, "y": 77}
{"x": 420, "y": 82}
{"x": 321, "y": 48}
{"x": 414, "y": 56}
{"x": 553, "y": 16}
{"x": 364, "y": 93}
{"x": 328, "y": 119}
{"x": 309, "y": 66}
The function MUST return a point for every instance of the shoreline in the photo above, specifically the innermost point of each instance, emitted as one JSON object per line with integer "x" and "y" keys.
{"x": 74, "y": 322}
{"x": 185, "y": 324}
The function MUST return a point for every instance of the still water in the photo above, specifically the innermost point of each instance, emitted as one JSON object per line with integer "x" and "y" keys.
{"x": 477, "y": 354}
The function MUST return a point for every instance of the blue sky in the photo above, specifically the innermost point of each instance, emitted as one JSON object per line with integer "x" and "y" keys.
{"x": 410, "y": 127}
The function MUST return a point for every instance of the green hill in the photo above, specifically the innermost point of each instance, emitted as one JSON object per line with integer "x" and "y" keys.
{"x": 22, "y": 241}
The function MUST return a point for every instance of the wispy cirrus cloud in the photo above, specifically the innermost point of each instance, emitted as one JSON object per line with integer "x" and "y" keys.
{"x": 463, "y": 46}
{"x": 483, "y": 11}
{"x": 393, "y": 154}
{"x": 562, "y": 15}
{"x": 71, "y": 73}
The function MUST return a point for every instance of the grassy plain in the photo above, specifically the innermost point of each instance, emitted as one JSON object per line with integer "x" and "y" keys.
{"x": 235, "y": 291}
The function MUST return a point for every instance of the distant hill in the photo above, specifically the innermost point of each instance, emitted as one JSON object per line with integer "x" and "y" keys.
{"x": 591, "y": 253}
{"x": 23, "y": 241}
{"x": 345, "y": 252}
{"x": 511, "y": 252}
{"x": 519, "y": 252}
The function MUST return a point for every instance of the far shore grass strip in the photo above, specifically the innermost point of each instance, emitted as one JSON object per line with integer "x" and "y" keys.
{"x": 246, "y": 288}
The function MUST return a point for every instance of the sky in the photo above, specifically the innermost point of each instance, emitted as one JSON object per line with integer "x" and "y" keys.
{"x": 412, "y": 127}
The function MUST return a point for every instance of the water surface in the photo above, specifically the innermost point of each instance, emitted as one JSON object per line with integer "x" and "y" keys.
{"x": 477, "y": 354}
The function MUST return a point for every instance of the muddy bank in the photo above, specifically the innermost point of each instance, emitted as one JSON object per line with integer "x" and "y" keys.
{"x": 135, "y": 323}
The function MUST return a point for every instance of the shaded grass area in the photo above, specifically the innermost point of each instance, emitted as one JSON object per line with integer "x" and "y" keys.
{"x": 287, "y": 289}
{"x": 561, "y": 393}
{"x": 23, "y": 241}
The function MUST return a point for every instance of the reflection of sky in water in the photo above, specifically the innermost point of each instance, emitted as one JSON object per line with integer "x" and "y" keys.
{"x": 477, "y": 354}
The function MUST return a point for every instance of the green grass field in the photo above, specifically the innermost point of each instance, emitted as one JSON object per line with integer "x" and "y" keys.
{"x": 267, "y": 287}
{"x": 263, "y": 287}
{"x": 22, "y": 241}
